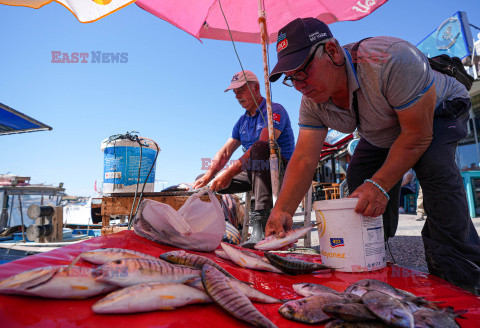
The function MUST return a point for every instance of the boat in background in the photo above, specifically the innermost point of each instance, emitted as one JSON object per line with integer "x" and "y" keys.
{"x": 19, "y": 233}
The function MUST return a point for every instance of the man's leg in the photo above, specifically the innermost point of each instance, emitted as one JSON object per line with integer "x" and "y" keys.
{"x": 420, "y": 210}
{"x": 452, "y": 245}
{"x": 259, "y": 167}
{"x": 367, "y": 159}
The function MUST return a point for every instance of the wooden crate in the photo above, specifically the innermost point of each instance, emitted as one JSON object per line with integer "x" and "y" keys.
{"x": 121, "y": 203}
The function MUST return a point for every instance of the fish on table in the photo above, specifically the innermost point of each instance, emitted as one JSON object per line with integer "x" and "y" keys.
{"x": 310, "y": 309}
{"x": 246, "y": 260}
{"x": 273, "y": 242}
{"x": 129, "y": 272}
{"x": 231, "y": 299}
{"x": 150, "y": 297}
{"x": 252, "y": 294}
{"x": 60, "y": 282}
{"x": 192, "y": 260}
{"x": 294, "y": 266}
{"x": 105, "y": 255}
{"x": 389, "y": 309}
{"x": 308, "y": 289}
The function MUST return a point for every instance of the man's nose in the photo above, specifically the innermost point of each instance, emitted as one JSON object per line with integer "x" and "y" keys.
{"x": 299, "y": 85}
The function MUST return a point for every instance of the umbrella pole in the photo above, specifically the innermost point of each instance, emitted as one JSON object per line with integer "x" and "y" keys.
{"x": 274, "y": 167}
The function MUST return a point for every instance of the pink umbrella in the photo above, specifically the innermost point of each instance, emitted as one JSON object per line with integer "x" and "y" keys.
{"x": 248, "y": 21}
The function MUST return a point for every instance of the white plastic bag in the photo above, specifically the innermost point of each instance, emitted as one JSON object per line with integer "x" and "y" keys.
{"x": 197, "y": 225}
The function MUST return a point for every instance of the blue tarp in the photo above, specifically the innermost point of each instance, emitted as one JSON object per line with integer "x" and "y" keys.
{"x": 12, "y": 121}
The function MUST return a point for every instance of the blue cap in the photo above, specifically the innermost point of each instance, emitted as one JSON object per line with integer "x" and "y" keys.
{"x": 294, "y": 42}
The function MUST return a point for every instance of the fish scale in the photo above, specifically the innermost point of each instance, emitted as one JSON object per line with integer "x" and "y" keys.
{"x": 231, "y": 299}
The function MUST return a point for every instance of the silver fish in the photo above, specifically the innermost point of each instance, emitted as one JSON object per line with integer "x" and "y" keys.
{"x": 150, "y": 297}
{"x": 192, "y": 260}
{"x": 129, "y": 272}
{"x": 362, "y": 286}
{"x": 222, "y": 254}
{"x": 349, "y": 311}
{"x": 427, "y": 318}
{"x": 61, "y": 282}
{"x": 389, "y": 309}
{"x": 105, "y": 255}
{"x": 309, "y": 289}
{"x": 252, "y": 294}
{"x": 231, "y": 299}
{"x": 309, "y": 309}
{"x": 272, "y": 242}
{"x": 248, "y": 261}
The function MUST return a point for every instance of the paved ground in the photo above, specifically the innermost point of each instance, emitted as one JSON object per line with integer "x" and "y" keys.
{"x": 407, "y": 245}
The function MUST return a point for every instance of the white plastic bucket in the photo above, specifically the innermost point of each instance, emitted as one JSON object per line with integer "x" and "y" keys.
{"x": 121, "y": 164}
{"x": 349, "y": 242}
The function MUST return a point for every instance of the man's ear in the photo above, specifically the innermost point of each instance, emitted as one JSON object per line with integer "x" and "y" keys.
{"x": 334, "y": 52}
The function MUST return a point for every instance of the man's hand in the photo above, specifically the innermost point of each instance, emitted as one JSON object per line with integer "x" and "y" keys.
{"x": 278, "y": 222}
{"x": 221, "y": 181}
{"x": 371, "y": 200}
{"x": 202, "y": 181}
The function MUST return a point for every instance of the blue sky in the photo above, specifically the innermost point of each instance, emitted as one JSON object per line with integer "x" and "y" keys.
{"x": 170, "y": 90}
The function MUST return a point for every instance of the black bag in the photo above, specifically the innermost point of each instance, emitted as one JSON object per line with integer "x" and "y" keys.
{"x": 452, "y": 66}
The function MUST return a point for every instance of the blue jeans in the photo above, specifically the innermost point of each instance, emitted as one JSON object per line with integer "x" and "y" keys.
{"x": 452, "y": 245}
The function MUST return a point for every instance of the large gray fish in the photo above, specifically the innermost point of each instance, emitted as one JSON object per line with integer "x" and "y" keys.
{"x": 309, "y": 309}
{"x": 231, "y": 299}
{"x": 349, "y": 311}
{"x": 389, "y": 309}
{"x": 428, "y": 318}
{"x": 248, "y": 261}
{"x": 129, "y": 272}
{"x": 61, "y": 282}
{"x": 362, "y": 286}
{"x": 294, "y": 266}
{"x": 273, "y": 242}
{"x": 150, "y": 297}
{"x": 252, "y": 294}
{"x": 192, "y": 260}
{"x": 348, "y": 324}
{"x": 105, "y": 255}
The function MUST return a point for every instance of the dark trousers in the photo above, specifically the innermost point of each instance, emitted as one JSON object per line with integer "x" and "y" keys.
{"x": 256, "y": 176}
{"x": 452, "y": 245}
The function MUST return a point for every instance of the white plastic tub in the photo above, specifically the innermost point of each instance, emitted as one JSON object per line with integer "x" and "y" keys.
{"x": 349, "y": 242}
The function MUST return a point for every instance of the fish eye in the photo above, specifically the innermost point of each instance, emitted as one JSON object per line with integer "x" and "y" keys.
{"x": 118, "y": 262}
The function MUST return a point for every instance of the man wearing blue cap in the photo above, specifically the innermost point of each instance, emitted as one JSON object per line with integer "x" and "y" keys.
{"x": 407, "y": 115}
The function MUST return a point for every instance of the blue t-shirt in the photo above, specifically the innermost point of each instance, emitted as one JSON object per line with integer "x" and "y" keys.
{"x": 248, "y": 128}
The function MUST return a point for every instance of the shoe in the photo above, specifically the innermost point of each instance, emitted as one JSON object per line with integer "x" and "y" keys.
{"x": 258, "y": 222}
{"x": 420, "y": 217}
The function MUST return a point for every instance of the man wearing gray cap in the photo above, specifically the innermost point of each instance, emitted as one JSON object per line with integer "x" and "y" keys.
{"x": 407, "y": 115}
{"x": 252, "y": 170}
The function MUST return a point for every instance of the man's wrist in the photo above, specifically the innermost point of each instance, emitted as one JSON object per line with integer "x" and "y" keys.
{"x": 379, "y": 187}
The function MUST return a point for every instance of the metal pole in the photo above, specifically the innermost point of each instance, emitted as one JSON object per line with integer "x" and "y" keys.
{"x": 274, "y": 167}
{"x": 21, "y": 216}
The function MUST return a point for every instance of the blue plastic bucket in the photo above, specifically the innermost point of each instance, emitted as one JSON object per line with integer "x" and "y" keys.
{"x": 122, "y": 163}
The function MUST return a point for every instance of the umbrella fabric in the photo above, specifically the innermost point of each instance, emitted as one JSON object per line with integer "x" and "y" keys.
{"x": 12, "y": 121}
{"x": 86, "y": 11}
{"x": 204, "y": 19}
